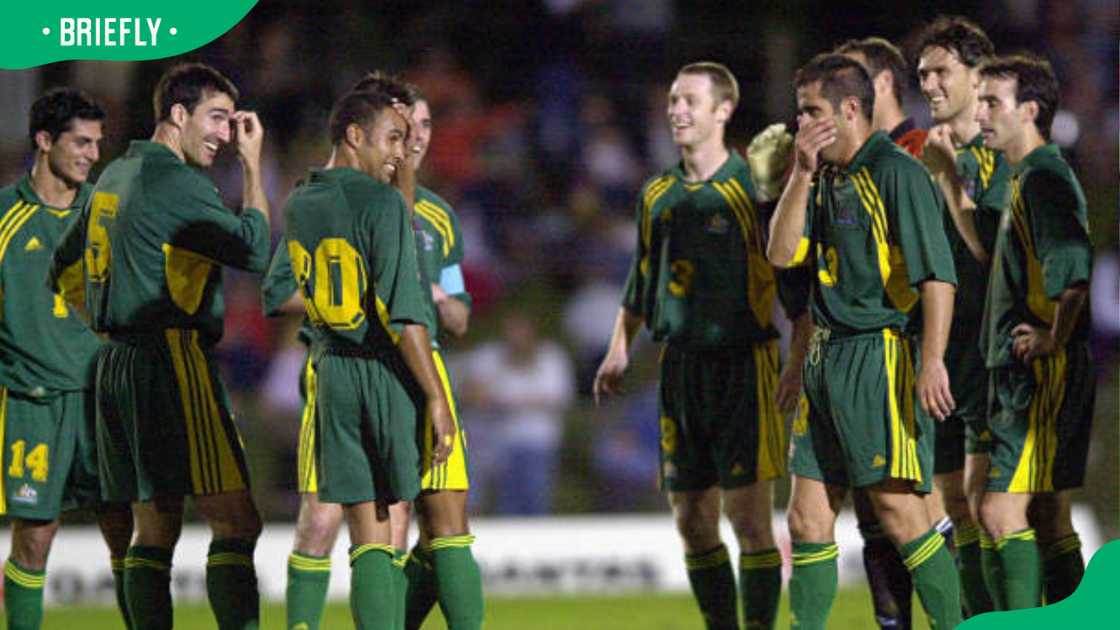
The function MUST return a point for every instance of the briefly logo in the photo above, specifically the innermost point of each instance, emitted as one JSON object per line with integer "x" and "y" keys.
{"x": 26, "y": 494}
{"x": 33, "y": 245}
{"x": 878, "y": 461}
{"x": 717, "y": 224}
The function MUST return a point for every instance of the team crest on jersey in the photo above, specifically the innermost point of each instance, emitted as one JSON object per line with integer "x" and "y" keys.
{"x": 26, "y": 494}
{"x": 717, "y": 224}
{"x": 429, "y": 240}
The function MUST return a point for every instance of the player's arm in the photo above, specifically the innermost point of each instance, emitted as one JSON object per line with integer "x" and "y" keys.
{"x": 454, "y": 314}
{"x": 416, "y": 347}
{"x": 939, "y": 156}
{"x": 279, "y": 292}
{"x": 608, "y": 380}
{"x": 1063, "y": 246}
{"x": 933, "y": 379}
{"x": 450, "y": 294}
{"x": 788, "y": 244}
{"x": 250, "y": 137}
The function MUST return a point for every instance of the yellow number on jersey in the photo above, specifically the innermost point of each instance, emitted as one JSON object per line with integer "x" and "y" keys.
{"x": 681, "y": 282}
{"x": 334, "y": 280}
{"x": 37, "y": 461}
{"x": 103, "y": 207}
{"x": 60, "y": 310}
{"x": 827, "y": 276}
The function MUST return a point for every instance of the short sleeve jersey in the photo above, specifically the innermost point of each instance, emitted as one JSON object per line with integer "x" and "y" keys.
{"x": 875, "y": 232}
{"x": 439, "y": 249}
{"x": 353, "y": 254}
{"x": 987, "y": 179}
{"x": 153, "y": 238}
{"x": 1042, "y": 249}
{"x": 700, "y": 277}
{"x": 44, "y": 348}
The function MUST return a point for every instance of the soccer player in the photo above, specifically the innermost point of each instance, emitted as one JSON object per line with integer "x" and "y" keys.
{"x": 440, "y": 250}
{"x": 975, "y": 181}
{"x": 154, "y": 236}
{"x": 1034, "y": 336}
{"x": 888, "y": 71}
{"x": 870, "y": 218}
{"x": 701, "y": 283}
{"x": 48, "y": 456}
{"x": 352, "y": 248}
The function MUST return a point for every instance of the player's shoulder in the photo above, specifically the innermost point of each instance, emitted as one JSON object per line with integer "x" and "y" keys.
{"x": 367, "y": 196}
{"x": 658, "y": 184}
{"x": 887, "y": 160}
{"x": 427, "y": 195}
{"x": 432, "y": 207}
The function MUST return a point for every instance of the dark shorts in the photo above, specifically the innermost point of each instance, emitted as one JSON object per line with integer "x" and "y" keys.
{"x": 720, "y": 423}
{"x": 1041, "y": 420}
{"x": 48, "y": 461}
{"x": 966, "y": 431}
{"x": 366, "y": 415}
{"x": 859, "y": 421}
{"x": 164, "y": 421}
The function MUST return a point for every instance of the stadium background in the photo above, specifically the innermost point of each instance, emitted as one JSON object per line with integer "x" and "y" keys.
{"x": 548, "y": 116}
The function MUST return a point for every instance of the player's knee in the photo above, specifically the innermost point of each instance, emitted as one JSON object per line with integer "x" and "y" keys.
{"x": 697, "y": 530}
{"x": 806, "y": 526}
{"x": 752, "y": 529}
{"x": 317, "y": 530}
{"x": 31, "y": 543}
{"x": 116, "y": 528}
{"x": 958, "y": 509}
{"x": 997, "y": 519}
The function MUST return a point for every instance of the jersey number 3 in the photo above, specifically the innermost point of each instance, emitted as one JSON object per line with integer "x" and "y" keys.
{"x": 333, "y": 282}
{"x": 102, "y": 208}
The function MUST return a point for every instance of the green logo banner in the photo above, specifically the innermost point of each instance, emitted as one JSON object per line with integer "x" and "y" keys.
{"x": 37, "y": 33}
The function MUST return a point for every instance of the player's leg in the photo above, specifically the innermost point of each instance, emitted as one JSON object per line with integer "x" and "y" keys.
{"x": 887, "y": 578}
{"x": 373, "y": 593}
{"x": 114, "y": 520}
{"x": 231, "y": 579}
{"x": 25, "y": 572}
{"x": 147, "y": 565}
{"x": 966, "y": 542}
{"x": 696, "y": 515}
{"x": 813, "y": 507}
{"x": 446, "y": 540}
{"x": 1004, "y": 516}
{"x": 750, "y": 509}
{"x": 1062, "y": 563}
{"x": 309, "y": 565}
{"x": 905, "y": 521}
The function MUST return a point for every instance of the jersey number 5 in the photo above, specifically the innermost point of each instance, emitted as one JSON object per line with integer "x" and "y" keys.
{"x": 333, "y": 281}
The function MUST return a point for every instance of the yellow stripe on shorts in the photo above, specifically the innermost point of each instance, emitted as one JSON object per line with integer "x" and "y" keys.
{"x": 452, "y": 474}
{"x": 308, "y": 480}
{"x": 900, "y": 401}
{"x": 3, "y": 448}
{"x": 1035, "y": 470}
{"x": 771, "y": 426}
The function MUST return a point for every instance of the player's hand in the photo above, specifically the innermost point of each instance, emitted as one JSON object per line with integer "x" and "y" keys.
{"x": 439, "y": 296}
{"x": 789, "y": 388}
{"x": 939, "y": 155}
{"x": 443, "y": 430}
{"x": 250, "y": 137}
{"x": 608, "y": 380}
{"x": 1030, "y": 342}
{"x": 812, "y": 136}
{"x": 933, "y": 390}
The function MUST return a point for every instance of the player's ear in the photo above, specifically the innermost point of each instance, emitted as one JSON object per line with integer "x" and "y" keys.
{"x": 43, "y": 140}
{"x": 884, "y": 84}
{"x": 179, "y": 114}
{"x": 354, "y": 134}
{"x": 1028, "y": 111}
{"x": 724, "y": 111}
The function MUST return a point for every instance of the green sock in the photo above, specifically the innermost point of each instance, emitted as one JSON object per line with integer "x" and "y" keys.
{"x": 973, "y": 586}
{"x": 713, "y": 586}
{"x": 147, "y": 587}
{"x": 935, "y": 578}
{"x": 812, "y": 587}
{"x": 308, "y": 578}
{"x": 760, "y": 585}
{"x": 231, "y": 584}
{"x": 421, "y": 592}
{"x": 23, "y": 596}
{"x": 400, "y": 583}
{"x": 118, "y": 587}
{"x": 1062, "y": 568}
{"x": 458, "y": 580}
{"x": 993, "y": 571}
{"x": 1018, "y": 554}
{"x": 373, "y": 590}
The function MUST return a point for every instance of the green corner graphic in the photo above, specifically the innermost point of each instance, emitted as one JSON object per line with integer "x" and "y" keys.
{"x": 33, "y": 34}
{"x": 1089, "y": 607}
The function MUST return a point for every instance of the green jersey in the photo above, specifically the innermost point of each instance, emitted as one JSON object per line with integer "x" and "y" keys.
{"x": 353, "y": 254}
{"x": 987, "y": 179}
{"x": 875, "y": 229}
{"x": 278, "y": 286}
{"x": 700, "y": 277}
{"x": 44, "y": 348}
{"x": 1042, "y": 249}
{"x": 439, "y": 250}
{"x": 152, "y": 240}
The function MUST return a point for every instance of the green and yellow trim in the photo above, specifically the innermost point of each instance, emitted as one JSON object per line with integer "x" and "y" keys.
{"x": 934, "y": 542}
{"x": 826, "y": 554}
{"x": 1035, "y": 470}
{"x": 772, "y": 444}
{"x": 24, "y": 577}
{"x": 450, "y": 542}
{"x": 309, "y": 564}
{"x": 900, "y": 393}
{"x": 707, "y": 560}
{"x": 1024, "y": 535}
{"x": 765, "y": 559}
{"x": 440, "y": 220}
{"x": 892, "y": 264}
{"x": 308, "y": 480}
{"x": 360, "y": 550}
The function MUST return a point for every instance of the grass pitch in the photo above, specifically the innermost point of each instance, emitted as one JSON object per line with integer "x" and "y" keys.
{"x": 852, "y": 609}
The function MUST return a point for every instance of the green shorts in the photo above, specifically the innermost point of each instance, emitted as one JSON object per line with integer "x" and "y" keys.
{"x": 966, "y": 431}
{"x": 719, "y": 420}
{"x": 366, "y": 418}
{"x": 859, "y": 421}
{"x": 1041, "y": 419}
{"x": 164, "y": 425}
{"x": 48, "y": 461}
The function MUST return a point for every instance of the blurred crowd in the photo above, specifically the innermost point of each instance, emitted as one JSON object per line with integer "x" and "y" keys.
{"x": 548, "y": 116}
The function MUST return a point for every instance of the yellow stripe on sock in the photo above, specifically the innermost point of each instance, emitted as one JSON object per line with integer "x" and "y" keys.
{"x": 760, "y": 560}
{"x": 824, "y": 555}
{"x": 707, "y": 560}
{"x": 229, "y": 558}
{"x": 448, "y": 542}
{"x": 986, "y": 541}
{"x": 931, "y": 546}
{"x": 966, "y": 535}
{"x": 1063, "y": 546}
{"x": 23, "y": 578}
{"x": 301, "y": 562}
{"x": 117, "y": 564}
{"x": 145, "y": 563}
{"x": 362, "y": 549}
{"x": 1026, "y": 535}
